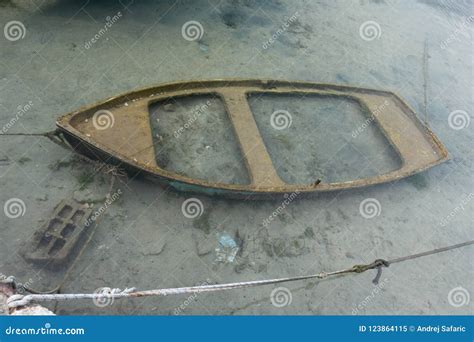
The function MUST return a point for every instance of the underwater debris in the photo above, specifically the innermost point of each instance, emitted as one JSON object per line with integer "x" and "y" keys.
{"x": 56, "y": 240}
{"x": 227, "y": 250}
{"x": 17, "y": 300}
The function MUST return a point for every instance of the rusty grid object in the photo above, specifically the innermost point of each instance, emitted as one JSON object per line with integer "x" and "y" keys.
{"x": 55, "y": 241}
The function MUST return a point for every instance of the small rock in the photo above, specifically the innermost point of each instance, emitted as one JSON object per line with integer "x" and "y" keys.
{"x": 203, "y": 247}
{"x": 203, "y": 47}
{"x": 42, "y": 198}
{"x": 154, "y": 248}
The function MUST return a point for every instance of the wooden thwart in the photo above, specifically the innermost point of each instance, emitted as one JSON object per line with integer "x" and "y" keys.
{"x": 128, "y": 141}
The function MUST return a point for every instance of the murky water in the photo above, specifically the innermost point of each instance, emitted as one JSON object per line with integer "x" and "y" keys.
{"x": 308, "y": 138}
{"x": 193, "y": 136}
{"x": 421, "y": 50}
{"x": 318, "y": 141}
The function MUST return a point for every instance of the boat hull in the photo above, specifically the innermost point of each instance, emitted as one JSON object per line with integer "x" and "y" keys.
{"x": 417, "y": 146}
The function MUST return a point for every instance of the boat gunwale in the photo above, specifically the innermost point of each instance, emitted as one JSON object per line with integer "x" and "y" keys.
{"x": 159, "y": 92}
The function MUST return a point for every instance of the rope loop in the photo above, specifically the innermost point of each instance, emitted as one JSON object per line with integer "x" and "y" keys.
{"x": 376, "y": 264}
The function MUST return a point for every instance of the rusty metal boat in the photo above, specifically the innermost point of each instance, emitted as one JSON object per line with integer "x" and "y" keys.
{"x": 128, "y": 140}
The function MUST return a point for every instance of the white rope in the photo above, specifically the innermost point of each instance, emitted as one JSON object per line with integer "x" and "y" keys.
{"x": 108, "y": 293}
{"x": 23, "y": 300}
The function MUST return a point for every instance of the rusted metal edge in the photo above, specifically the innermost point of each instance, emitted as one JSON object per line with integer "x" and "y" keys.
{"x": 417, "y": 146}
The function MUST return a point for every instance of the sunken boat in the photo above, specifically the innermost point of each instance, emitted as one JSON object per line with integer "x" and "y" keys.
{"x": 122, "y": 131}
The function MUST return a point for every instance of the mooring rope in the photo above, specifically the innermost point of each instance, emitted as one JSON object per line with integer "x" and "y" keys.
{"x": 110, "y": 170}
{"x": 18, "y": 300}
